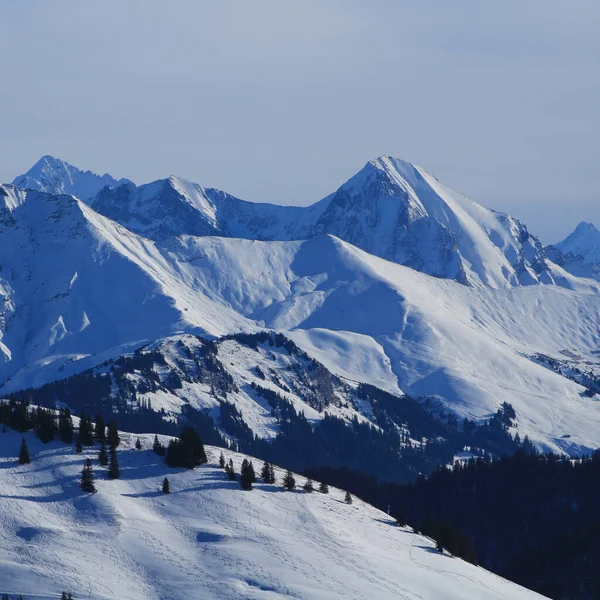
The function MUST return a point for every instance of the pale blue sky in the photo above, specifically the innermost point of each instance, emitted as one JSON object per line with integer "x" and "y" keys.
{"x": 281, "y": 101}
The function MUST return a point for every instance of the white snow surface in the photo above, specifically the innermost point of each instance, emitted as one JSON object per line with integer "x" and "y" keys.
{"x": 390, "y": 208}
{"x": 208, "y": 538}
{"x": 78, "y": 288}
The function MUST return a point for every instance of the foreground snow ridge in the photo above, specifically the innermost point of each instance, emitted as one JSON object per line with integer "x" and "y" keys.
{"x": 208, "y": 538}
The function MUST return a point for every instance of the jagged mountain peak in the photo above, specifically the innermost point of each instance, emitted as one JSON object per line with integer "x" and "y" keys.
{"x": 56, "y": 176}
{"x": 583, "y": 242}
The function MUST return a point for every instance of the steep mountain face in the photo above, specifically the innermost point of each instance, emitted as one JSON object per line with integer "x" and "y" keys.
{"x": 584, "y": 242}
{"x": 391, "y": 209}
{"x": 83, "y": 289}
{"x": 55, "y": 176}
{"x": 208, "y": 538}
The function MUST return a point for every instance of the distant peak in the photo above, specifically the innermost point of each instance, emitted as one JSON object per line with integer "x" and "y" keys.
{"x": 585, "y": 227}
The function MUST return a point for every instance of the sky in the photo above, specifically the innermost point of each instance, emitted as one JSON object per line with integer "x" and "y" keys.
{"x": 282, "y": 101}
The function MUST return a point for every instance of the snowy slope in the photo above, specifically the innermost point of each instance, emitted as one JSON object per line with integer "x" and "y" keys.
{"x": 391, "y": 209}
{"x": 208, "y": 538}
{"x": 82, "y": 288}
{"x": 583, "y": 242}
{"x": 55, "y": 176}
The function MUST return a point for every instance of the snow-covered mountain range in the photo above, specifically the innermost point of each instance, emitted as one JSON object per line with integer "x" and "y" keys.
{"x": 208, "y": 538}
{"x": 348, "y": 279}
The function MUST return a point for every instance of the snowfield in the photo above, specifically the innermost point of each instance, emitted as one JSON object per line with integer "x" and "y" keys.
{"x": 208, "y": 538}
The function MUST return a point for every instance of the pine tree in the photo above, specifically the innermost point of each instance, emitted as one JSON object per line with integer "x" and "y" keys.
{"x": 188, "y": 451}
{"x": 230, "y": 470}
{"x": 64, "y": 596}
{"x": 86, "y": 431}
{"x": 78, "y": 444}
{"x": 265, "y": 472}
{"x": 400, "y": 517}
{"x": 24, "y": 458}
{"x": 112, "y": 436}
{"x": 272, "y": 478}
{"x": 157, "y": 447}
{"x": 65, "y": 426}
{"x": 222, "y": 461}
{"x": 348, "y": 498}
{"x": 103, "y": 455}
{"x": 289, "y": 483}
{"x": 248, "y": 476}
{"x": 45, "y": 424}
{"x": 87, "y": 477}
{"x": 308, "y": 486}
{"x": 100, "y": 428}
{"x": 113, "y": 466}
{"x": 324, "y": 488}
{"x": 166, "y": 486}
{"x": 138, "y": 444}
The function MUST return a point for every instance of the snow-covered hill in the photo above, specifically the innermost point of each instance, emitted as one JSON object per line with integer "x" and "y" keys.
{"x": 208, "y": 538}
{"x": 583, "y": 242}
{"x": 82, "y": 288}
{"x": 56, "y": 176}
{"x": 391, "y": 209}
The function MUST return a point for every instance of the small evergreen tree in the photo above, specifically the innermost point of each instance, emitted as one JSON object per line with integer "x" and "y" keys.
{"x": 112, "y": 436}
{"x": 157, "y": 447}
{"x": 188, "y": 451}
{"x": 230, "y": 470}
{"x": 222, "y": 461}
{"x": 400, "y": 517}
{"x": 86, "y": 431}
{"x": 308, "y": 486}
{"x": 103, "y": 455}
{"x": 289, "y": 482}
{"x": 100, "y": 428}
{"x": 166, "y": 486}
{"x": 248, "y": 476}
{"x": 324, "y": 488}
{"x": 272, "y": 478}
{"x": 24, "y": 458}
{"x": 65, "y": 426}
{"x": 348, "y": 498}
{"x": 45, "y": 424}
{"x": 113, "y": 465}
{"x": 78, "y": 444}
{"x": 138, "y": 444}
{"x": 87, "y": 477}
{"x": 265, "y": 472}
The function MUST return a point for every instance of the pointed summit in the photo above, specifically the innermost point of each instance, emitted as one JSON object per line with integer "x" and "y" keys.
{"x": 584, "y": 242}
{"x": 55, "y": 176}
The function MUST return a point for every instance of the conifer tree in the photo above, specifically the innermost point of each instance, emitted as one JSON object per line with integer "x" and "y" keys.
{"x": 100, "y": 428}
{"x": 188, "y": 451}
{"x": 86, "y": 431}
{"x": 289, "y": 482}
{"x": 45, "y": 425}
{"x": 265, "y": 472}
{"x": 324, "y": 488}
{"x": 112, "y": 436}
{"x": 166, "y": 486}
{"x": 78, "y": 444}
{"x": 65, "y": 426}
{"x": 248, "y": 476}
{"x": 24, "y": 458}
{"x": 272, "y": 478}
{"x": 103, "y": 455}
{"x": 113, "y": 465}
{"x": 222, "y": 461}
{"x": 157, "y": 447}
{"x": 308, "y": 486}
{"x": 138, "y": 444}
{"x": 400, "y": 517}
{"x": 87, "y": 477}
{"x": 348, "y": 498}
{"x": 229, "y": 469}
